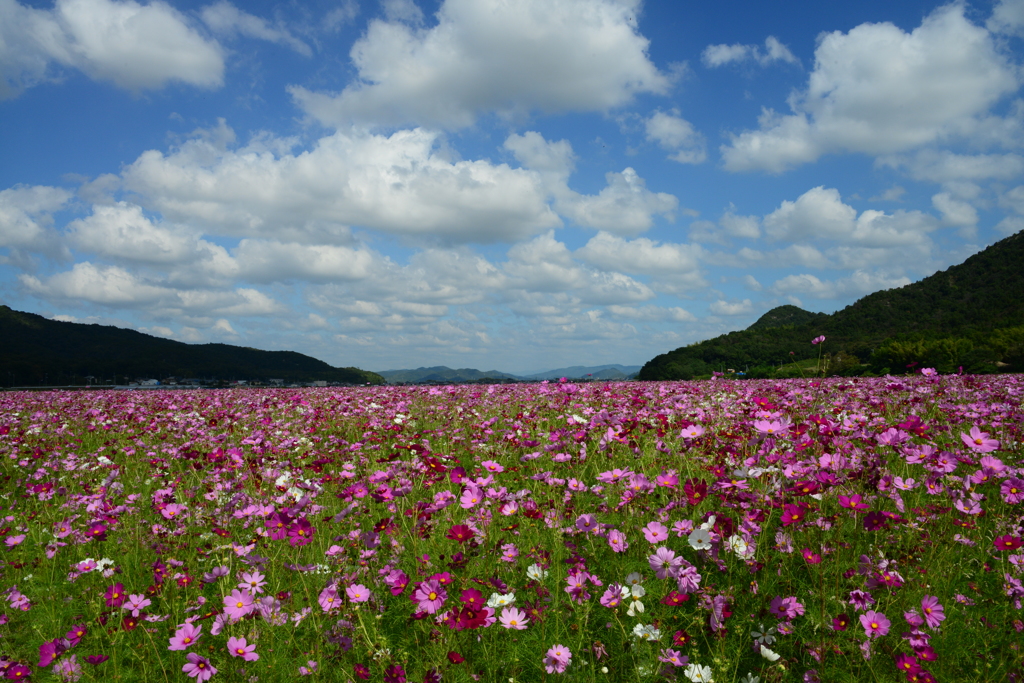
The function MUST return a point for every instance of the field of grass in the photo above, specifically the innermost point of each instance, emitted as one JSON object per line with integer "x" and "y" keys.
{"x": 786, "y": 530}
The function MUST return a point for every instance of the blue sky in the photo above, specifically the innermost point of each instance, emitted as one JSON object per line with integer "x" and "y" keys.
{"x": 501, "y": 184}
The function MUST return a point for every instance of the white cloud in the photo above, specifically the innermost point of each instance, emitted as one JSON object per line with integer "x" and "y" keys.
{"x": 673, "y": 132}
{"x": 720, "y": 55}
{"x": 945, "y": 166}
{"x": 107, "y": 285}
{"x": 493, "y": 56}
{"x": 954, "y": 211}
{"x": 25, "y": 216}
{"x": 134, "y": 46}
{"x": 267, "y": 261}
{"x": 1007, "y": 17}
{"x": 878, "y": 90}
{"x": 122, "y": 231}
{"x": 857, "y": 284}
{"x": 820, "y": 213}
{"x": 652, "y": 313}
{"x": 397, "y": 184}
{"x": 722, "y": 307}
{"x": 1013, "y": 199}
{"x": 625, "y": 206}
{"x": 643, "y": 256}
{"x": 225, "y": 19}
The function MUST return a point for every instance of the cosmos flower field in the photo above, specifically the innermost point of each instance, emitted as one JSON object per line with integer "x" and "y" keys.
{"x": 862, "y": 529}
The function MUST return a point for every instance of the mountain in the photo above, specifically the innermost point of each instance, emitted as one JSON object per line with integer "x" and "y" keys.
{"x": 970, "y": 315}
{"x": 442, "y": 374}
{"x": 35, "y": 350}
{"x": 587, "y": 372}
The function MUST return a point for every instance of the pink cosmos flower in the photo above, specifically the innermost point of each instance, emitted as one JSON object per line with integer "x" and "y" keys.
{"x": 14, "y": 540}
{"x": 329, "y": 599}
{"x": 617, "y": 540}
{"x": 253, "y": 582}
{"x": 818, "y": 340}
{"x": 557, "y": 659}
{"x": 239, "y": 648}
{"x": 692, "y": 432}
{"x": 786, "y": 608}
{"x": 513, "y": 617}
{"x": 238, "y": 604}
{"x": 979, "y": 441}
{"x": 934, "y": 613}
{"x": 358, "y": 593}
{"x": 136, "y": 603}
{"x": 429, "y": 596}
{"x": 655, "y": 532}
{"x": 492, "y": 466}
{"x": 199, "y": 668}
{"x": 875, "y": 624}
{"x": 470, "y": 497}
{"x": 68, "y": 669}
{"x": 185, "y": 637}
{"x": 586, "y": 523}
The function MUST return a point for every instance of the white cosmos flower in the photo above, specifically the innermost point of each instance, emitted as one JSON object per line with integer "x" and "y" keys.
{"x": 535, "y": 572}
{"x": 698, "y": 674}
{"x": 634, "y": 579}
{"x": 769, "y": 654}
{"x": 763, "y": 637}
{"x": 497, "y": 600}
{"x": 737, "y": 545}
{"x": 700, "y": 539}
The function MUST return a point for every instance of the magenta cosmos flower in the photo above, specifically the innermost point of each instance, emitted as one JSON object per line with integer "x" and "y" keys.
{"x": 199, "y": 667}
{"x": 875, "y": 624}
{"x": 557, "y": 659}
{"x": 617, "y": 540}
{"x": 239, "y": 648}
{"x": 934, "y": 613}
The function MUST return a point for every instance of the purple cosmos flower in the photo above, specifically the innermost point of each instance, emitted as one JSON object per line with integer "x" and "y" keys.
{"x": 68, "y": 669}
{"x": 979, "y": 441}
{"x": 114, "y": 595}
{"x": 664, "y": 562}
{"x": 252, "y": 581}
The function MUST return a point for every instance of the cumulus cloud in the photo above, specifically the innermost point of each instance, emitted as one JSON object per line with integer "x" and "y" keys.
{"x": 675, "y": 133}
{"x": 723, "y": 307}
{"x": 26, "y": 216}
{"x": 820, "y": 213}
{"x": 774, "y": 51}
{"x": 858, "y": 284}
{"x": 397, "y": 184}
{"x": 492, "y": 56}
{"x": 954, "y": 211}
{"x": 943, "y": 166}
{"x": 223, "y": 18}
{"x": 135, "y": 47}
{"x": 879, "y": 90}
{"x": 1007, "y": 18}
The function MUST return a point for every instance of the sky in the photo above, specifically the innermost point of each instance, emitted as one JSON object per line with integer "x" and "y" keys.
{"x": 516, "y": 185}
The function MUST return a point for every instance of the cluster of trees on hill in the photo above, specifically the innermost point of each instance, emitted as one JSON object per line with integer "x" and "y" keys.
{"x": 969, "y": 316}
{"x": 40, "y": 351}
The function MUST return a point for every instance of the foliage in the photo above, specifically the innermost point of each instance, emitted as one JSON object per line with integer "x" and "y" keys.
{"x": 37, "y": 351}
{"x": 969, "y": 315}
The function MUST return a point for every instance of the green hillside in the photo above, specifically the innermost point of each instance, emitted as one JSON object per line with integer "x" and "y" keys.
{"x": 35, "y": 350}
{"x": 970, "y": 315}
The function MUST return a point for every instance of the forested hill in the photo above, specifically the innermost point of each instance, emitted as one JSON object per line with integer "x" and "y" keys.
{"x": 35, "y": 350}
{"x": 970, "y": 315}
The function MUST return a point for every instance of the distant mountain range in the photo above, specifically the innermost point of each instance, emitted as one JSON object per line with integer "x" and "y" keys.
{"x": 969, "y": 316}
{"x": 35, "y": 350}
{"x": 448, "y": 375}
